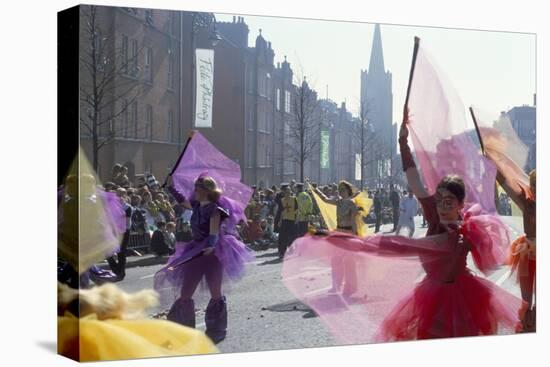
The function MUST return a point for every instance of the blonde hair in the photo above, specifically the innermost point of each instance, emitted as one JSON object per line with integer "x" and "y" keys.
{"x": 209, "y": 184}
{"x": 107, "y": 301}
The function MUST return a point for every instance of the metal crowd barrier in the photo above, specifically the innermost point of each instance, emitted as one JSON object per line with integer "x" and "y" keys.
{"x": 139, "y": 241}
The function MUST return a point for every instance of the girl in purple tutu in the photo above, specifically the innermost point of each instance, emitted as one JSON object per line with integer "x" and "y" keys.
{"x": 214, "y": 253}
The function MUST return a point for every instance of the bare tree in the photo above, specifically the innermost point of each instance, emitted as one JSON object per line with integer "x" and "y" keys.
{"x": 303, "y": 127}
{"x": 388, "y": 163}
{"x": 364, "y": 136}
{"x": 103, "y": 93}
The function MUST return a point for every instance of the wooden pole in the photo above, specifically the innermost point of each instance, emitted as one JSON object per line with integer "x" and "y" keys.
{"x": 477, "y": 130}
{"x": 181, "y": 156}
{"x": 411, "y": 73}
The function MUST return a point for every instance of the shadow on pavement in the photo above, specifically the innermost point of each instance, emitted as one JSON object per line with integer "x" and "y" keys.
{"x": 291, "y": 307}
{"x": 271, "y": 254}
{"x": 137, "y": 261}
{"x": 271, "y": 262}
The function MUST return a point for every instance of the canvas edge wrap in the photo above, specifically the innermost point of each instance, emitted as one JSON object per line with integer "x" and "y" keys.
{"x": 68, "y": 102}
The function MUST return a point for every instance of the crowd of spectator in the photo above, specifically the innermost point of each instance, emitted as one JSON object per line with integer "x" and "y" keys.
{"x": 504, "y": 204}
{"x": 155, "y": 221}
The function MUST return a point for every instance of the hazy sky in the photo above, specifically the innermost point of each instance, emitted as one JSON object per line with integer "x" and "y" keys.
{"x": 492, "y": 70}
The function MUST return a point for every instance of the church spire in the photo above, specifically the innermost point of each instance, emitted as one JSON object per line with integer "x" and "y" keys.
{"x": 376, "y": 64}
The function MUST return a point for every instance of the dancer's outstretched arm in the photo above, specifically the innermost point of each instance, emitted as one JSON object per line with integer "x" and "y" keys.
{"x": 324, "y": 197}
{"x": 177, "y": 195}
{"x": 409, "y": 165}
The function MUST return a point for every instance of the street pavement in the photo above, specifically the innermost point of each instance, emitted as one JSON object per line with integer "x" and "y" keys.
{"x": 263, "y": 314}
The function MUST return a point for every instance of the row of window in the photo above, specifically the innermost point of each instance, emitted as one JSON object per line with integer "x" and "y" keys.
{"x": 287, "y": 100}
{"x": 525, "y": 128}
{"x": 264, "y": 90}
{"x": 171, "y": 26}
{"x": 130, "y": 62}
{"x": 264, "y": 151}
{"x": 265, "y": 119}
{"x": 264, "y": 86}
{"x": 130, "y": 126}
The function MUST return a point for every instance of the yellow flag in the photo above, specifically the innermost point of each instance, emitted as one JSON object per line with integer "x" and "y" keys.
{"x": 86, "y": 233}
{"x": 328, "y": 211}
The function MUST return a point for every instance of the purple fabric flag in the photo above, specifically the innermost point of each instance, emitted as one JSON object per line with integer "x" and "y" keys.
{"x": 443, "y": 137}
{"x": 200, "y": 157}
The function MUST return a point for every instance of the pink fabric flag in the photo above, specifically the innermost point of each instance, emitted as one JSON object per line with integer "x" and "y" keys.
{"x": 385, "y": 294}
{"x": 443, "y": 137}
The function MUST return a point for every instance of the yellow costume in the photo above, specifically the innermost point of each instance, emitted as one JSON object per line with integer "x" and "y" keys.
{"x": 328, "y": 212}
{"x": 88, "y": 339}
{"x": 113, "y": 326}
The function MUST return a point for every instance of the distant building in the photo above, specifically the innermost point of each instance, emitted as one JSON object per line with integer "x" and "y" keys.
{"x": 142, "y": 126}
{"x": 345, "y": 154}
{"x": 377, "y": 99}
{"x": 523, "y": 120}
{"x": 259, "y": 107}
{"x": 251, "y": 104}
{"x": 284, "y": 170}
{"x": 252, "y": 109}
{"x": 313, "y": 124}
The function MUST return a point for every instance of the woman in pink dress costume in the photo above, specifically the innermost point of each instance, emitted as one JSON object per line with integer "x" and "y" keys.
{"x": 393, "y": 302}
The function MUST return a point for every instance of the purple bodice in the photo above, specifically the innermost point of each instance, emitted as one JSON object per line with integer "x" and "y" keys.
{"x": 200, "y": 219}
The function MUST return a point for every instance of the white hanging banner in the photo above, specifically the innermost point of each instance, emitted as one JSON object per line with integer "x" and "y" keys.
{"x": 205, "y": 87}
